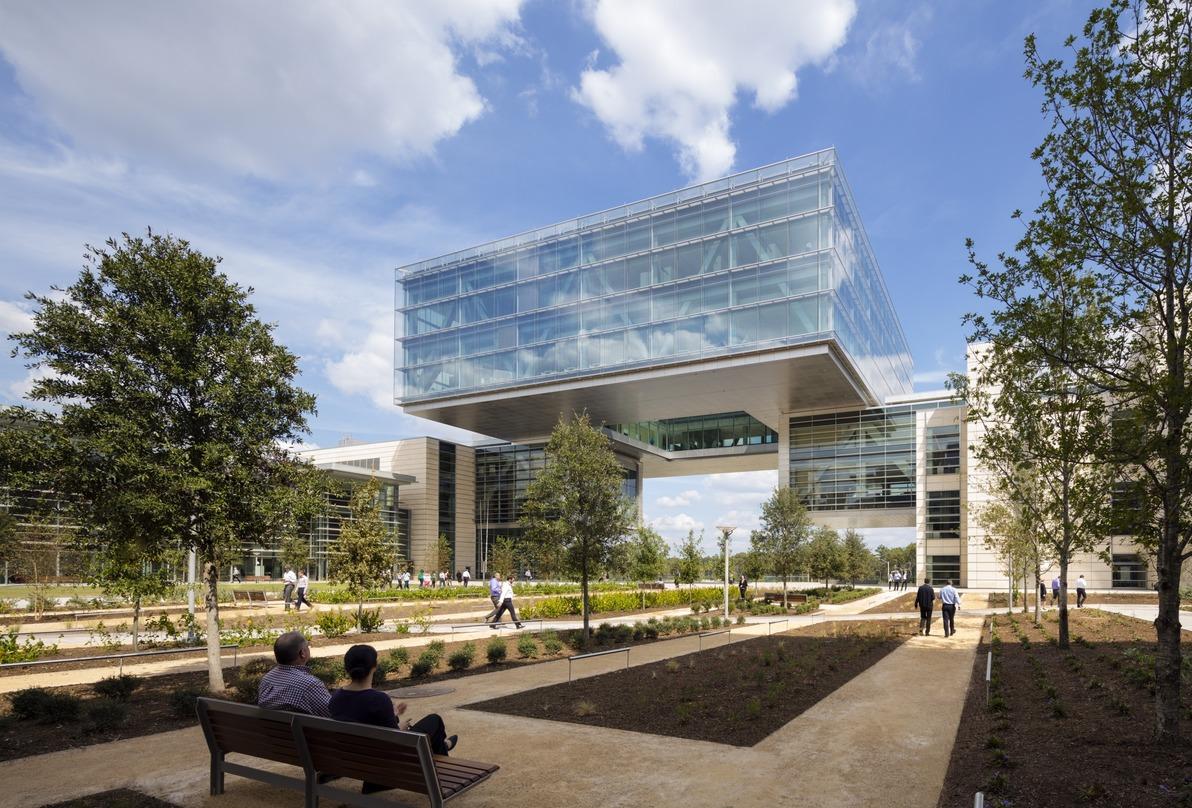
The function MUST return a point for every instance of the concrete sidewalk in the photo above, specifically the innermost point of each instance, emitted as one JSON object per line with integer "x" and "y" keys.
{"x": 890, "y": 727}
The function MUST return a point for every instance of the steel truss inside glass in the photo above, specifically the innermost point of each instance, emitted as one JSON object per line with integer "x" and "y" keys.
{"x": 771, "y": 257}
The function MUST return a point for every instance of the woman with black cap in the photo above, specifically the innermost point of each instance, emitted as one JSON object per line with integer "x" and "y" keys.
{"x": 361, "y": 703}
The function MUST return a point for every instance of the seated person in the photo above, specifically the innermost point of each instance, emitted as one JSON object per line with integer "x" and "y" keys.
{"x": 289, "y": 685}
{"x": 360, "y": 703}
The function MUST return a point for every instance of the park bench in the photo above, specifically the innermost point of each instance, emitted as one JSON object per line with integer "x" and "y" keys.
{"x": 327, "y": 750}
{"x": 791, "y": 597}
{"x": 654, "y": 585}
{"x": 251, "y": 597}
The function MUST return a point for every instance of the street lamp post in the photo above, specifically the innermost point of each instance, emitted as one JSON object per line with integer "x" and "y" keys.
{"x": 726, "y": 531}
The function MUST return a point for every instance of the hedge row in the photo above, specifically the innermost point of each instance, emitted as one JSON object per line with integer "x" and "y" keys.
{"x": 477, "y": 589}
{"x": 619, "y": 602}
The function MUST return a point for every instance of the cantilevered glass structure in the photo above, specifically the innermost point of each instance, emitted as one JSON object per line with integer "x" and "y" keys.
{"x": 769, "y": 258}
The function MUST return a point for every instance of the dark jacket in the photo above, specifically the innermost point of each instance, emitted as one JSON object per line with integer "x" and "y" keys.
{"x": 925, "y": 597}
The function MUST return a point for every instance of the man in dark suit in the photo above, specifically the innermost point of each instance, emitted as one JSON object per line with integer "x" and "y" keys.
{"x": 925, "y": 601}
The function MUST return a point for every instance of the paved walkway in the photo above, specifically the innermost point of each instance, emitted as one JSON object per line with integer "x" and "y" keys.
{"x": 890, "y": 726}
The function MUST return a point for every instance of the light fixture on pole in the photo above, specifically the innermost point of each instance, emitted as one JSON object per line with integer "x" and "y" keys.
{"x": 726, "y": 531}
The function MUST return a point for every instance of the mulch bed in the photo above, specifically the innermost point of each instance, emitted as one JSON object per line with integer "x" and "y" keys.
{"x": 734, "y": 694}
{"x": 119, "y": 798}
{"x": 151, "y": 708}
{"x": 1086, "y": 741}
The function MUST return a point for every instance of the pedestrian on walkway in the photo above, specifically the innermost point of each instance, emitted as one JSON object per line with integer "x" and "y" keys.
{"x": 303, "y": 583}
{"x": 949, "y": 602}
{"x": 1055, "y": 590}
{"x": 421, "y": 578}
{"x": 290, "y": 581}
{"x": 1081, "y": 585}
{"x": 743, "y": 586}
{"x": 506, "y": 605}
{"x": 467, "y": 575}
{"x": 494, "y": 594}
{"x": 925, "y": 603}
{"x": 1042, "y": 594}
{"x": 236, "y": 577}
{"x": 442, "y": 579}
{"x": 405, "y": 580}
{"x": 894, "y": 579}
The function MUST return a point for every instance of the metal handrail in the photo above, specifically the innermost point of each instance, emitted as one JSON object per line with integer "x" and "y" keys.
{"x": 703, "y": 634}
{"x": 769, "y": 630}
{"x": 35, "y": 663}
{"x": 571, "y": 659}
{"x": 500, "y": 625}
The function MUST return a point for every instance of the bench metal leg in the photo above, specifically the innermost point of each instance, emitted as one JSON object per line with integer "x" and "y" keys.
{"x": 217, "y": 775}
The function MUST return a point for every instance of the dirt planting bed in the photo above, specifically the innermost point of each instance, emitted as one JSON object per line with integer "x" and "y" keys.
{"x": 733, "y": 694}
{"x": 119, "y": 798}
{"x": 1067, "y": 728}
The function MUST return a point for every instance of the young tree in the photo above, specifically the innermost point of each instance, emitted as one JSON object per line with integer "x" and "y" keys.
{"x": 126, "y": 571}
{"x": 1012, "y": 531}
{"x": 503, "y": 558}
{"x": 1118, "y": 208}
{"x": 575, "y": 505}
{"x": 174, "y": 402}
{"x": 825, "y": 555}
{"x": 362, "y": 557}
{"x": 647, "y": 555}
{"x": 858, "y": 559}
{"x": 441, "y": 555}
{"x": 785, "y": 529}
{"x": 690, "y": 559}
{"x": 294, "y": 552}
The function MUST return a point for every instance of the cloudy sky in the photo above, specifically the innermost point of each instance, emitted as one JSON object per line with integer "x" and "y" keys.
{"x": 316, "y": 146}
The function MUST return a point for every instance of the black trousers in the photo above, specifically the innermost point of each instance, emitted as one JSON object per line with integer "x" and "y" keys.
{"x": 925, "y": 620}
{"x": 435, "y": 731}
{"x": 1080, "y": 596}
{"x": 949, "y": 612}
{"x": 506, "y": 606}
{"x": 302, "y": 599}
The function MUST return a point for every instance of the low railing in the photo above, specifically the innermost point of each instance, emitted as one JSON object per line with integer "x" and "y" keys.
{"x": 572, "y": 659}
{"x": 501, "y": 625}
{"x": 711, "y": 634}
{"x": 37, "y": 663}
{"x": 770, "y": 625}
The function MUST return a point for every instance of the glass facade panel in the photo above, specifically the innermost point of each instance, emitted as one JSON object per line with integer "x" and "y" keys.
{"x": 943, "y": 449}
{"x": 941, "y": 569}
{"x": 943, "y": 515}
{"x": 1129, "y": 572}
{"x": 789, "y": 235}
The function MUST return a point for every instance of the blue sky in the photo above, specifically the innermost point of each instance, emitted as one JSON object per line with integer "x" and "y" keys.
{"x": 316, "y": 146}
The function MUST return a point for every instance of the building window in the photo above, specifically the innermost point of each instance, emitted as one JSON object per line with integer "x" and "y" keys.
{"x": 370, "y": 463}
{"x": 447, "y": 491}
{"x": 1125, "y": 507}
{"x": 943, "y": 515}
{"x": 1129, "y": 572}
{"x": 943, "y": 449}
{"x": 941, "y": 569}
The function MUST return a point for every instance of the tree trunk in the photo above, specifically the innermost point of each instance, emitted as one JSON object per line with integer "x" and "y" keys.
{"x": 136, "y": 622}
{"x": 1038, "y": 598}
{"x": 215, "y": 680}
{"x": 784, "y": 604}
{"x": 1064, "y": 602}
{"x": 583, "y": 585}
{"x": 1168, "y": 659}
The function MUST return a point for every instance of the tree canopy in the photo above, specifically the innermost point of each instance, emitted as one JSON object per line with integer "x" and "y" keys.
{"x": 784, "y": 532}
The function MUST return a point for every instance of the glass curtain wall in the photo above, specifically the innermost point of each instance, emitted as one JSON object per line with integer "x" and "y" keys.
{"x": 700, "y": 432}
{"x": 746, "y": 262}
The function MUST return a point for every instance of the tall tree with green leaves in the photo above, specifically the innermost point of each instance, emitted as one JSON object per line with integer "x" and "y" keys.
{"x": 1012, "y": 531}
{"x": 824, "y": 555}
{"x": 441, "y": 555}
{"x": 1117, "y": 210}
{"x": 174, "y": 403}
{"x": 783, "y": 535}
{"x": 690, "y": 559}
{"x": 294, "y": 552}
{"x": 8, "y": 539}
{"x": 129, "y": 571}
{"x": 362, "y": 556}
{"x": 575, "y": 506}
{"x": 503, "y": 558}
{"x": 647, "y": 555}
{"x": 858, "y": 560}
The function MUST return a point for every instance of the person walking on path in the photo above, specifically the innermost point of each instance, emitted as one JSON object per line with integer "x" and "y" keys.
{"x": 1055, "y": 590}
{"x": 236, "y": 577}
{"x": 1042, "y": 595}
{"x": 290, "y": 581}
{"x": 949, "y": 602}
{"x": 442, "y": 579}
{"x": 506, "y": 605}
{"x": 494, "y": 594}
{"x": 467, "y": 575}
{"x": 743, "y": 585}
{"x": 1081, "y": 586}
{"x": 925, "y": 603}
{"x": 894, "y": 580}
{"x": 303, "y": 583}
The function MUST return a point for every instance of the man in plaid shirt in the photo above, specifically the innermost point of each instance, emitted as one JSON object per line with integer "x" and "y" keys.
{"x": 290, "y": 686}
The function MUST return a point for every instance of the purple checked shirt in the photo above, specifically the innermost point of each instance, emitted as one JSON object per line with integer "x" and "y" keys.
{"x": 294, "y": 687}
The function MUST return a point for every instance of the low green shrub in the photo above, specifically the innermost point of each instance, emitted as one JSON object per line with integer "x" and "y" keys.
{"x": 461, "y": 659}
{"x": 27, "y": 650}
{"x": 438, "y": 649}
{"x": 369, "y": 621}
{"x": 44, "y": 706}
{"x": 527, "y": 647}
{"x": 384, "y": 668}
{"x": 103, "y": 714}
{"x": 117, "y": 688}
{"x": 495, "y": 651}
{"x": 398, "y": 657}
{"x": 330, "y": 670}
{"x": 740, "y": 620}
{"x": 601, "y": 602}
{"x": 551, "y": 643}
{"x": 334, "y": 623}
{"x": 248, "y": 680}
{"x": 183, "y": 701}
{"x": 424, "y": 665}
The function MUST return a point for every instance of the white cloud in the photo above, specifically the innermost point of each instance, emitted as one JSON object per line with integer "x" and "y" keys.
{"x": 744, "y": 521}
{"x": 743, "y": 481}
{"x": 366, "y": 368}
{"x": 892, "y": 49}
{"x": 271, "y": 89}
{"x": 680, "y": 500}
{"x": 13, "y": 318}
{"x": 675, "y": 526}
{"x": 682, "y": 65}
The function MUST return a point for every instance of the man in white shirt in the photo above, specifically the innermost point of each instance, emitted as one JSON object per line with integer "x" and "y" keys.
{"x": 303, "y": 583}
{"x": 289, "y": 582}
{"x": 467, "y": 575}
{"x": 950, "y": 600}
{"x": 1081, "y": 586}
{"x": 506, "y": 605}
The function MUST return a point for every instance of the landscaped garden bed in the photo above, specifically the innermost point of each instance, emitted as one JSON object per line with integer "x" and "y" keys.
{"x": 1067, "y": 728}
{"x": 119, "y": 798}
{"x": 80, "y": 715}
{"x": 734, "y": 694}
